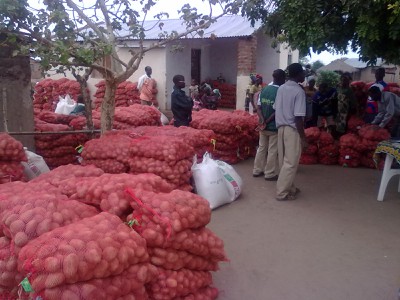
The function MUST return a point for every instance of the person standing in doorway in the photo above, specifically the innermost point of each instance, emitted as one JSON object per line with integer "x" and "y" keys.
{"x": 290, "y": 110}
{"x": 145, "y": 86}
{"x": 266, "y": 161}
{"x": 181, "y": 104}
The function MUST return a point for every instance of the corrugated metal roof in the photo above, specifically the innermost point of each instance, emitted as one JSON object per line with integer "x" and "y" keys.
{"x": 356, "y": 63}
{"x": 226, "y": 26}
{"x": 338, "y": 65}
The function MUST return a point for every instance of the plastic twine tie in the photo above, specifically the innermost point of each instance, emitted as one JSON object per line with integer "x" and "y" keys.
{"x": 238, "y": 128}
{"x": 214, "y": 143}
{"x": 165, "y": 221}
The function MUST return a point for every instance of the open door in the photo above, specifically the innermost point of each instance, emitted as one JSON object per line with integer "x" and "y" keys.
{"x": 196, "y": 61}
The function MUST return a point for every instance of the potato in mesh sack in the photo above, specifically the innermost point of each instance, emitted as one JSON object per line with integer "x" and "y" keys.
{"x": 308, "y": 159}
{"x": 206, "y": 293}
{"x": 96, "y": 247}
{"x": 24, "y": 222}
{"x": 349, "y": 140}
{"x": 172, "y": 259}
{"x": 11, "y": 149}
{"x": 312, "y": 134}
{"x": 132, "y": 282}
{"x": 11, "y": 171}
{"x": 201, "y": 242}
{"x": 374, "y": 133}
{"x": 108, "y": 191}
{"x": 170, "y": 284}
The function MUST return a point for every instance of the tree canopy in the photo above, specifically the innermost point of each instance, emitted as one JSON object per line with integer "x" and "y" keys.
{"x": 370, "y": 27}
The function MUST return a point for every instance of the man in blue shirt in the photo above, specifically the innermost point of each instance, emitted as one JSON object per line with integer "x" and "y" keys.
{"x": 266, "y": 160}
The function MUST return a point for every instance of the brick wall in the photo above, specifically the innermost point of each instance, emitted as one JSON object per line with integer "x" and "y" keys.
{"x": 247, "y": 49}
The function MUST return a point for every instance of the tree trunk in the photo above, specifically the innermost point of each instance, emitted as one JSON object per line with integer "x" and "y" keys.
{"x": 88, "y": 103}
{"x": 108, "y": 106}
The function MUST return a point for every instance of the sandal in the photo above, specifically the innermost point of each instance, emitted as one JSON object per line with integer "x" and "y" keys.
{"x": 288, "y": 197}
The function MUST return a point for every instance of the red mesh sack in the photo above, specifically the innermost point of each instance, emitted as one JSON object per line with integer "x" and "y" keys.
{"x": 326, "y": 139}
{"x": 176, "y": 174}
{"x": 349, "y": 140}
{"x": 73, "y": 140}
{"x": 57, "y": 152}
{"x": 107, "y": 165}
{"x": 108, "y": 147}
{"x": 11, "y": 149}
{"x": 130, "y": 282}
{"x": 25, "y": 222}
{"x": 138, "y": 115}
{"x": 181, "y": 210}
{"x": 9, "y": 275}
{"x": 202, "y": 242}
{"x": 354, "y": 124}
{"x": 375, "y": 133}
{"x": 220, "y": 121}
{"x": 108, "y": 191}
{"x": 349, "y": 158}
{"x": 172, "y": 259}
{"x": 207, "y": 293}
{"x": 311, "y": 149}
{"x": 170, "y": 284}
{"x": 68, "y": 171}
{"x": 162, "y": 148}
{"x": 54, "y": 162}
{"x": 52, "y": 117}
{"x": 11, "y": 171}
{"x": 308, "y": 159}
{"x": 312, "y": 134}
{"x": 77, "y": 252}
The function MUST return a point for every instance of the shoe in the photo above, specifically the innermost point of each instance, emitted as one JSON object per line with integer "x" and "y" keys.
{"x": 274, "y": 178}
{"x": 296, "y": 192}
{"x": 288, "y": 197}
{"x": 258, "y": 174}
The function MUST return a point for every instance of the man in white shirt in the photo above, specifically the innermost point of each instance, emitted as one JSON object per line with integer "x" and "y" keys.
{"x": 290, "y": 110}
{"x": 145, "y": 87}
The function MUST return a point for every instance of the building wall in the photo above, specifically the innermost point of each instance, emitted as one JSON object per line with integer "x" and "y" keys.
{"x": 224, "y": 59}
{"x": 368, "y": 74}
{"x": 268, "y": 58}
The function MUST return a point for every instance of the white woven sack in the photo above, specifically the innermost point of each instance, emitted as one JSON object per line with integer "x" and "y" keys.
{"x": 209, "y": 182}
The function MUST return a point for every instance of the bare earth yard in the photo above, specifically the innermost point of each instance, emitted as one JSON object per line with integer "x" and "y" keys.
{"x": 336, "y": 241}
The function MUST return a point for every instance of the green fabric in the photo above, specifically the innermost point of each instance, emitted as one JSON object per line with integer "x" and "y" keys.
{"x": 267, "y": 99}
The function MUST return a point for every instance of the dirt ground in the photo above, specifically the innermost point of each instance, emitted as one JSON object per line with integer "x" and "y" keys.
{"x": 336, "y": 241}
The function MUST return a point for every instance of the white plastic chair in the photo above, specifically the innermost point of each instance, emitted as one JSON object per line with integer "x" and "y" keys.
{"x": 387, "y": 174}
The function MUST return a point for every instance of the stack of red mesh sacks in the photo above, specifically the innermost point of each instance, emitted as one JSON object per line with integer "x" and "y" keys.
{"x": 124, "y": 118}
{"x": 309, "y": 156}
{"x": 202, "y": 140}
{"x": 63, "y": 255}
{"x": 119, "y": 152}
{"x": 235, "y": 133}
{"x": 57, "y": 149}
{"x": 29, "y": 210}
{"x": 328, "y": 149}
{"x": 179, "y": 244}
{"x": 228, "y": 93}
{"x": 349, "y": 150}
{"x": 11, "y": 155}
{"x": 48, "y": 91}
{"x": 182, "y": 251}
{"x": 126, "y": 94}
{"x": 321, "y": 148}
{"x": 370, "y": 137}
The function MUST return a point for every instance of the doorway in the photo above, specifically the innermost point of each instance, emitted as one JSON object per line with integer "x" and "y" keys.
{"x": 195, "y": 64}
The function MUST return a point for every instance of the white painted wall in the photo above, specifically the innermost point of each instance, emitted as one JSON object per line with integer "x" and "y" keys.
{"x": 268, "y": 58}
{"x": 283, "y": 56}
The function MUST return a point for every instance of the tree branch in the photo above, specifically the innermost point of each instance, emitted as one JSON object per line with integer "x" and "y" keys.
{"x": 89, "y": 22}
